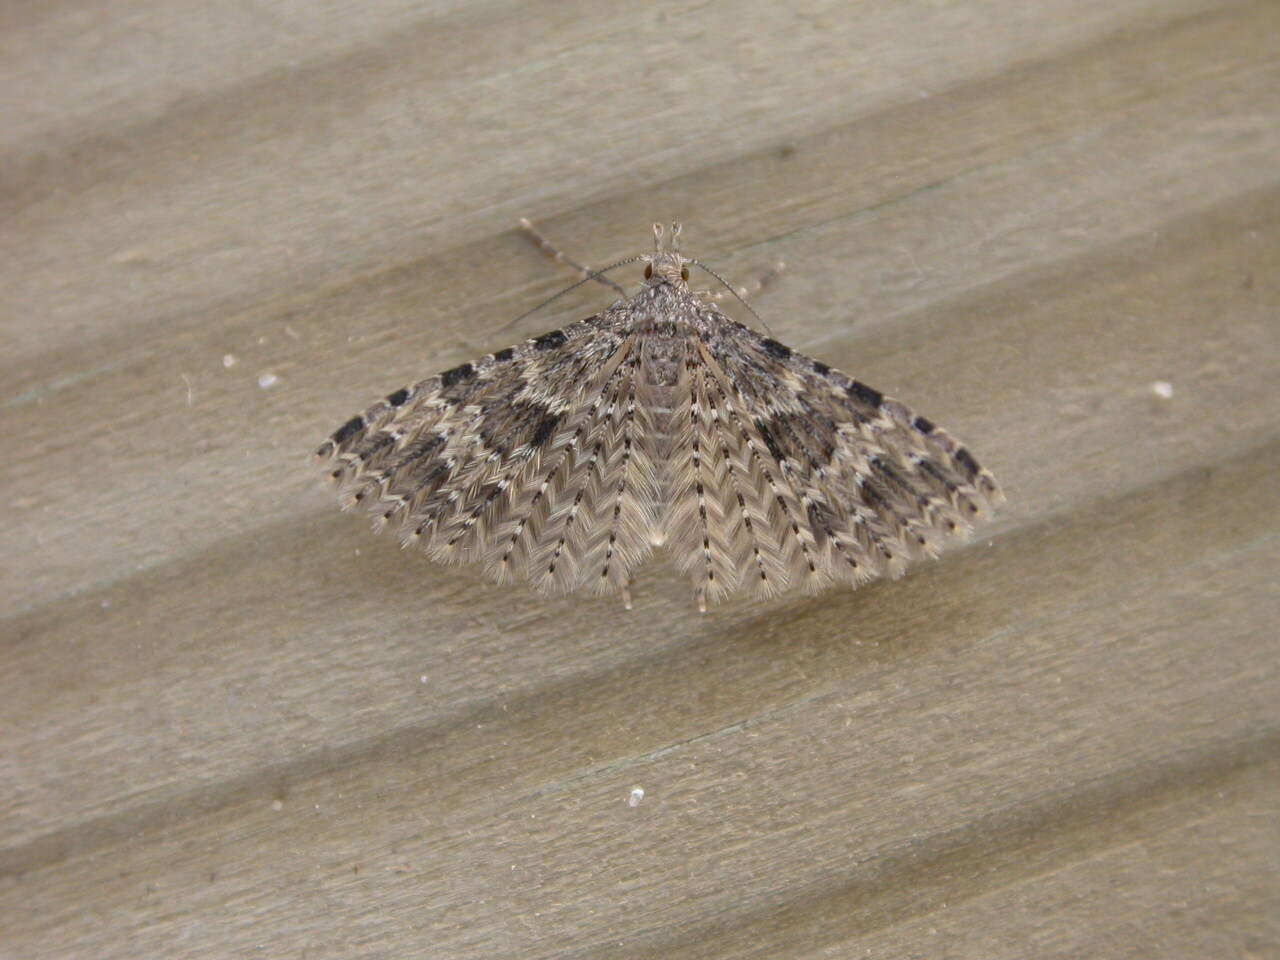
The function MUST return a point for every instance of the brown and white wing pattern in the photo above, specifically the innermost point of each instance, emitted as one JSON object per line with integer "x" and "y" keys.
{"x": 788, "y": 474}
{"x": 727, "y": 509}
{"x": 535, "y": 461}
{"x": 563, "y": 461}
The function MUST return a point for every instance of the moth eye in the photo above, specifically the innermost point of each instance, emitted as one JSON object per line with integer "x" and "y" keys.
{"x": 648, "y": 270}
{"x": 684, "y": 273}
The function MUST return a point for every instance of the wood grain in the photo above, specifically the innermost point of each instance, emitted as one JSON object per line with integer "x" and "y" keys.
{"x": 235, "y": 723}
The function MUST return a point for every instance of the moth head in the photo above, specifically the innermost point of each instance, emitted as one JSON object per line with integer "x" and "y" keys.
{"x": 666, "y": 265}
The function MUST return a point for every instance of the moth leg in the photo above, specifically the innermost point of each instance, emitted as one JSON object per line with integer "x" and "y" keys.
{"x": 626, "y": 595}
{"x": 558, "y": 256}
{"x": 757, "y": 286}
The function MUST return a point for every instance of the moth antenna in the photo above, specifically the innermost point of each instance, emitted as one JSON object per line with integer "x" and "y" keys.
{"x": 737, "y": 296}
{"x": 591, "y": 275}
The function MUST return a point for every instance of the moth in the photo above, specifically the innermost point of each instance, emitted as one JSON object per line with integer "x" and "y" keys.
{"x": 565, "y": 461}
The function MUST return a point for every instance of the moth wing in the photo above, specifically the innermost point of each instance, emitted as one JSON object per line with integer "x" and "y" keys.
{"x": 585, "y": 515}
{"x": 726, "y": 509}
{"x": 499, "y": 461}
{"x": 847, "y": 484}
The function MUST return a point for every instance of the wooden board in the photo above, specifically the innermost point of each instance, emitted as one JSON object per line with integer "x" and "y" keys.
{"x": 235, "y": 723}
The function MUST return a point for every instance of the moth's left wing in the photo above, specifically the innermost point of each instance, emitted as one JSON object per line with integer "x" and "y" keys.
{"x": 530, "y": 461}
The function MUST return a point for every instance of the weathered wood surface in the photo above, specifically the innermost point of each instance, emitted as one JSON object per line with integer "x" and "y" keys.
{"x": 235, "y": 723}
